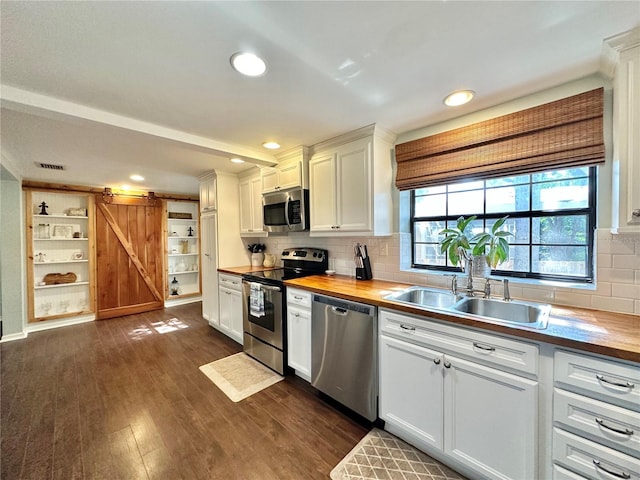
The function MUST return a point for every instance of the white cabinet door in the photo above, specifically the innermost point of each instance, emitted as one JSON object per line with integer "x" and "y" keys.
{"x": 269, "y": 180}
{"x": 299, "y": 341}
{"x": 411, "y": 391}
{"x": 207, "y": 192}
{"x": 250, "y": 190}
{"x": 209, "y": 261}
{"x": 490, "y": 419}
{"x": 353, "y": 182}
{"x": 246, "y": 206}
{"x": 290, "y": 175}
{"x": 322, "y": 193}
{"x": 231, "y": 313}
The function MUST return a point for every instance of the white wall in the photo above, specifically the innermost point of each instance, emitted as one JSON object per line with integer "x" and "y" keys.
{"x": 12, "y": 278}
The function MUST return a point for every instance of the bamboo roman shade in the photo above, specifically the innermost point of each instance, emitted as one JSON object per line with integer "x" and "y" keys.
{"x": 561, "y": 134}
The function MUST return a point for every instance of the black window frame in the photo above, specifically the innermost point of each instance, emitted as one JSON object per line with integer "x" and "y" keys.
{"x": 589, "y": 211}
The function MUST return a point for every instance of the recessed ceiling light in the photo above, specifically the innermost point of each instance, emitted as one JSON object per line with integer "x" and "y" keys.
{"x": 271, "y": 145}
{"x": 248, "y": 64}
{"x": 237, "y": 160}
{"x": 125, "y": 187}
{"x": 136, "y": 178}
{"x": 458, "y": 98}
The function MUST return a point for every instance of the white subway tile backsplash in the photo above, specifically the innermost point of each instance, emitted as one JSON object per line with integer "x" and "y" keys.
{"x": 538, "y": 294}
{"x": 573, "y": 299}
{"x": 612, "y": 304}
{"x": 637, "y": 307}
{"x": 604, "y": 260}
{"x": 626, "y": 261}
{"x": 625, "y": 291}
{"x": 616, "y": 275}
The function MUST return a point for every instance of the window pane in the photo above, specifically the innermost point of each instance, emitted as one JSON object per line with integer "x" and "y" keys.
{"x": 459, "y": 187}
{"x": 560, "y": 260}
{"x": 515, "y": 180}
{"x": 559, "y": 174}
{"x": 428, "y": 231}
{"x": 508, "y": 199}
{"x": 430, "y": 190}
{"x": 519, "y": 227}
{"x": 562, "y": 194}
{"x": 466, "y": 203}
{"x": 518, "y": 260}
{"x": 428, "y": 254}
{"x": 431, "y": 206}
{"x": 560, "y": 230}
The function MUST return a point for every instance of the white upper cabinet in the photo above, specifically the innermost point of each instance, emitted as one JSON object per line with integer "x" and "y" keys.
{"x": 207, "y": 192}
{"x": 250, "y": 188}
{"x": 291, "y": 171}
{"x": 625, "y": 52}
{"x": 350, "y": 183}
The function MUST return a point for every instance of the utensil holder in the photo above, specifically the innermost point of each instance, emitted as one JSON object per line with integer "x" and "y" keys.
{"x": 364, "y": 273}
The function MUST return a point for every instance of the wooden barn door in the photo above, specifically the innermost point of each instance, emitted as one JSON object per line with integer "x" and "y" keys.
{"x": 129, "y": 253}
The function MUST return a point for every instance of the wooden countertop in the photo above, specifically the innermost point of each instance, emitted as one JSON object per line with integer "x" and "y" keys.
{"x": 607, "y": 333}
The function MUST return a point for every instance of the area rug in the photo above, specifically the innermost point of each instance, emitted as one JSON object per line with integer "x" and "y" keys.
{"x": 380, "y": 455}
{"x": 240, "y": 376}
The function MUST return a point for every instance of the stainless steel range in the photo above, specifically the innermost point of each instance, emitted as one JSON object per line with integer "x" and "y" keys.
{"x": 264, "y": 307}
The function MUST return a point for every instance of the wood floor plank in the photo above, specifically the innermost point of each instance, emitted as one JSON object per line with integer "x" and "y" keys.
{"x": 120, "y": 399}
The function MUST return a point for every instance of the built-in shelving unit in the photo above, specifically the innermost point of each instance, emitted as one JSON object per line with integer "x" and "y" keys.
{"x": 183, "y": 250}
{"x": 59, "y": 243}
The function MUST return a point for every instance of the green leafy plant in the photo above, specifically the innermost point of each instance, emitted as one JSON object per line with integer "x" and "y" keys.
{"x": 458, "y": 242}
{"x": 493, "y": 244}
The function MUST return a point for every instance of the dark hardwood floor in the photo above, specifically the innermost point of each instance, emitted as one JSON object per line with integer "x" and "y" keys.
{"x": 120, "y": 399}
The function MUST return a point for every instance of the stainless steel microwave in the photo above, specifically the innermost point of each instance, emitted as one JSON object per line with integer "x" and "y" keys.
{"x": 286, "y": 211}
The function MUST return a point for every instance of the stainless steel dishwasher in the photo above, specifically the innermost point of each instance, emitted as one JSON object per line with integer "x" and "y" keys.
{"x": 344, "y": 353}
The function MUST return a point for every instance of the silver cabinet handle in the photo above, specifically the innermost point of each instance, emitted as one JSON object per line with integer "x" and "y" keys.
{"x": 447, "y": 364}
{"x": 624, "y": 475}
{"x": 626, "y": 431}
{"x": 207, "y": 255}
{"x": 297, "y": 297}
{"x": 616, "y": 384}
{"x": 436, "y": 361}
{"x": 409, "y": 328}
{"x": 636, "y": 213}
{"x": 482, "y": 347}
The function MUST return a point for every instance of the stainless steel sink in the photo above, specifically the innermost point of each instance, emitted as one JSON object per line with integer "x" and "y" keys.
{"x": 425, "y": 297}
{"x": 513, "y": 312}
{"x": 531, "y": 315}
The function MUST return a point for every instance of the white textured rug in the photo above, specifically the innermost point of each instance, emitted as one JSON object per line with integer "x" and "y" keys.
{"x": 240, "y": 376}
{"x": 380, "y": 455}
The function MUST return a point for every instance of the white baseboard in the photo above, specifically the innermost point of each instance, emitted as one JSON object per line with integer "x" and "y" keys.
{"x": 48, "y": 325}
{"x": 181, "y": 301}
{"x": 13, "y": 336}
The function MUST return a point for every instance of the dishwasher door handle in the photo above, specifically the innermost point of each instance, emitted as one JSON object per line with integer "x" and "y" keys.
{"x": 339, "y": 310}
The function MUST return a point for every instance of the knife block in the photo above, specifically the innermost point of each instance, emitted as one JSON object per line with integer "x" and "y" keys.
{"x": 364, "y": 273}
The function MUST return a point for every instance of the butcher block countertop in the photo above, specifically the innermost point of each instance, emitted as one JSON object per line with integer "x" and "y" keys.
{"x": 607, "y": 333}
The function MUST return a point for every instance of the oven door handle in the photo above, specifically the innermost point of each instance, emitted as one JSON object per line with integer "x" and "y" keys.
{"x": 269, "y": 288}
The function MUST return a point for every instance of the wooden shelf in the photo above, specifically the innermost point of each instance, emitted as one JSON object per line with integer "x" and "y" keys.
{"x": 60, "y": 216}
{"x": 182, "y": 254}
{"x": 51, "y": 239}
{"x": 59, "y": 285}
{"x": 57, "y": 262}
{"x": 178, "y": 237}
{"x": 182, "y": 219}
{"x": 182, "y": 273}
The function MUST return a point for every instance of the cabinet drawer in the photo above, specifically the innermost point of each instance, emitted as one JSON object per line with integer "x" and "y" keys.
{"x": 232, "y": 282}
{"x": 488, "y": 349}
{"x": 614, "y": 426}
{"x": 591, "y": 459}
{"x": 606, "y": 380}
{"x": 300, "y": 298}
{"x": 560, "y": 473}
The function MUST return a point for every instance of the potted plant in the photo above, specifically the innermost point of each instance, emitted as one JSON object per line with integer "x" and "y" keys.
{"x": 493, "y": 245}
{"x": 459, "y": 244}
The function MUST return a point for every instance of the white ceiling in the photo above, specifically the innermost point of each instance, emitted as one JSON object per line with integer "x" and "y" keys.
{"x": 166, "y": 104}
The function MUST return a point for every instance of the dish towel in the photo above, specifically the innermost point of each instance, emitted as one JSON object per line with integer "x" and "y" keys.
{"x": 256, "y": 300}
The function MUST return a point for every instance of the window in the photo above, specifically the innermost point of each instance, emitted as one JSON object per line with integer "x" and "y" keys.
{"x": 551, "y": 215}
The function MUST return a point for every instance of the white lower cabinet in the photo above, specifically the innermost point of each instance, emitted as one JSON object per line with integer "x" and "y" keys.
{"x": 230, "y": 300}
{"x": 463, "y": 410}
{"x": 299, "y": 332}
{"x": 596, "y": 417}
